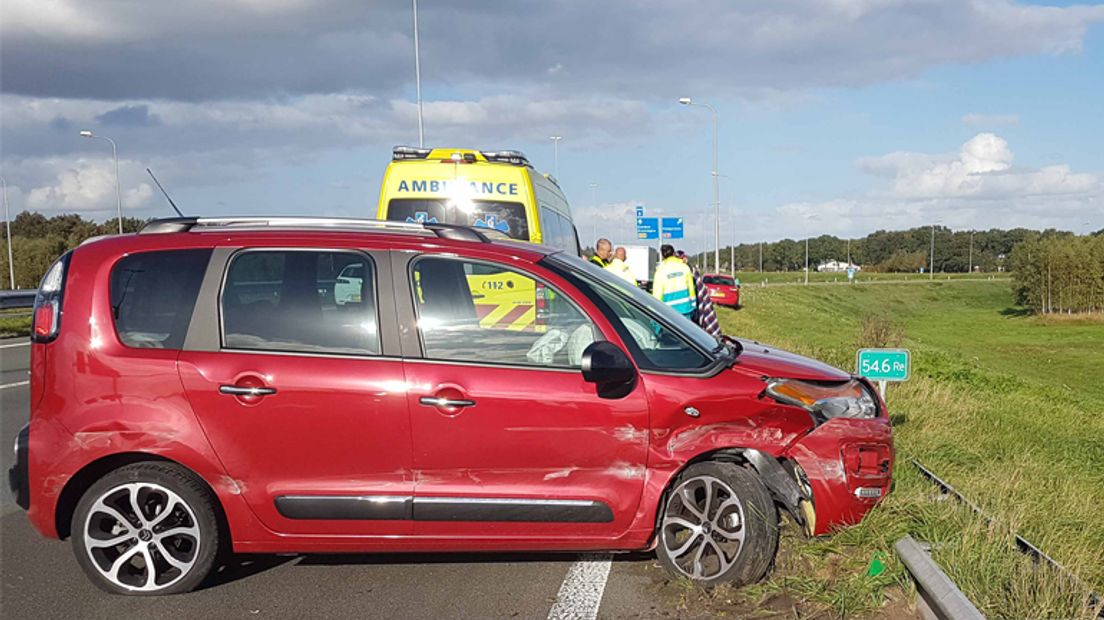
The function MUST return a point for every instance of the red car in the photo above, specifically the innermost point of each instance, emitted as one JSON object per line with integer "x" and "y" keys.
{"x": 196, "y": 390}
{"x": 723, "y": 290}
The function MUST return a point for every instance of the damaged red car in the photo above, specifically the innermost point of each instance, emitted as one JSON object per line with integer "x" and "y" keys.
{"x": 199, "y": 389}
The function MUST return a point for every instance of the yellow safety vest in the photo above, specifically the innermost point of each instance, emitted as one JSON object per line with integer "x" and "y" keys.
{"x": 673, "y": 284}
{"x": 622, "y": 269}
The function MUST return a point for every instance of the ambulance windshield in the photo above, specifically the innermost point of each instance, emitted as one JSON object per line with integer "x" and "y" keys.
{"x": 507, "y": 217}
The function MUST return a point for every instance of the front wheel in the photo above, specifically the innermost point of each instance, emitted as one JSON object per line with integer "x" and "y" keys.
{"x": 719, "y": 525}
{"x": 146, "y": 528}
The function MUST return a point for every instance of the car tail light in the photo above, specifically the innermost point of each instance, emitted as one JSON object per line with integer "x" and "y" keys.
{"x": 47, "y": 307}
{"x": 46, "y": 320}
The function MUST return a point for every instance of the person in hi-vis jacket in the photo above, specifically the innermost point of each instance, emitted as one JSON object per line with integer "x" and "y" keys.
{"x": 673, "y": 283}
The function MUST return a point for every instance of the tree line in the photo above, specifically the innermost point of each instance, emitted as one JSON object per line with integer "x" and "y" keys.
{"x": 37, "y": 241}
{"x": 956, "y": 251}
{"x": 1054, "y": 271}
{"x": 1059, "y": 273}
{"x": 885, "y": 251}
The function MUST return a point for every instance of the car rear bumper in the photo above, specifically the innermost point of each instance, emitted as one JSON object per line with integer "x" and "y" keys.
{"x": 19, "y": 474}
{"x": 721, "y": 297}
{"x": 848, "y": 467}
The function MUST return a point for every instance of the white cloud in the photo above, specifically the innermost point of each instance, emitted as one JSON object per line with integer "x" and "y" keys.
{"x": 646, "y": 49}
{"x": 83, "y": 185}
{"x": 976, "y": 187}
{"x": 197, "y": 144}
{"x": 982, "y": 169}
{"x": 40, "y": 127}
{"x": 991, "y": 120}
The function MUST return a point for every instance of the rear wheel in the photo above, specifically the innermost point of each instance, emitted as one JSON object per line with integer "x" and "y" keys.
{"x": 146, "y": 528}
{"x": 719, "y": 525}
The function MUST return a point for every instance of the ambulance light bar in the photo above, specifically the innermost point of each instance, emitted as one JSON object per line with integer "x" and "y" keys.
{"x": 409, "y": 152}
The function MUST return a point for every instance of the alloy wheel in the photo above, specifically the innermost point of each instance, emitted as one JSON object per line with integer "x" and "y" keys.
{"x": 142, "y": 536}
{"x": 703, "y": 528}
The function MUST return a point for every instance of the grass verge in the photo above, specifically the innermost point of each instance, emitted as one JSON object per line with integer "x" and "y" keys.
{"x": 13, "y": 324}
{"x": 1004, "y": 405}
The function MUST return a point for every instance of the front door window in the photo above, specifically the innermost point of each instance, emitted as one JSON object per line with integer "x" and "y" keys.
{"x": 480, "y": 312}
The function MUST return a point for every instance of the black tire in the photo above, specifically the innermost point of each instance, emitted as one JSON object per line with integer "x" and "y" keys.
{"x": 178, "y": 519}
{"x": 734, "y": 490}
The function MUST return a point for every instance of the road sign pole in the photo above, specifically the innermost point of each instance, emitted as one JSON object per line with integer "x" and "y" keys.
{"x": 882, "y": 388}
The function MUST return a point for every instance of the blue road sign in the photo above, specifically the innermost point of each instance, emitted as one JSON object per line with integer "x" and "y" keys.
{"x": 639, "y": 210}
{"x": 647, "y": 228}
{"x": 672, "y": 228}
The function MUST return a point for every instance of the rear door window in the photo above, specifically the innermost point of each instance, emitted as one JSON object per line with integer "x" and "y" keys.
{"x": 153, "y": 295}
{"x": 719, "y": 280}
{"x": 300, "y": 301}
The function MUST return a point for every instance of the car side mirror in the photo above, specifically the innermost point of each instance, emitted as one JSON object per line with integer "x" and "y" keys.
{"x": 606, "y": 365}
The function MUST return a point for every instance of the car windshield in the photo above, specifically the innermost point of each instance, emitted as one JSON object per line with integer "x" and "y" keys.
{"x": 610, "y": 283}
{"x": 719, "y": 280}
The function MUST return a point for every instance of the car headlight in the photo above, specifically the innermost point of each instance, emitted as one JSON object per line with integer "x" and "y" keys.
{"x": 850, "y": 399}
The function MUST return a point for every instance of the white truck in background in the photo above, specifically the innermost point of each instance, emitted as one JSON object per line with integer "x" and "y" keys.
{"x": 642, "y": 260}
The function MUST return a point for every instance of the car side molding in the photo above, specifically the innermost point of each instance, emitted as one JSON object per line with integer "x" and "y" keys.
{"x": 400, "y": 508}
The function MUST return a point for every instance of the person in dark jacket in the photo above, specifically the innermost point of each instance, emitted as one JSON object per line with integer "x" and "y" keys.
{"x": 704, "y": 313}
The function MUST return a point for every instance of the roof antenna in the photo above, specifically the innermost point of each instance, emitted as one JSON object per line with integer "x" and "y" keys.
{"x": 171, "y": 203}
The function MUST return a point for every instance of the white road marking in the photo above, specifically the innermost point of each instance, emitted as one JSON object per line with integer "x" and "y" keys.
{"x": 16, "y": 384}
{"x": 18, "y": 344}
{"x": 581, "y": 593}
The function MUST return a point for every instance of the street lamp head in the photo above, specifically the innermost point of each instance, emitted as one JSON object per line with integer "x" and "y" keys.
{"x": 555, "y": 137}
{"x": 86, "y": 133}
{"x": 685, "y": 100}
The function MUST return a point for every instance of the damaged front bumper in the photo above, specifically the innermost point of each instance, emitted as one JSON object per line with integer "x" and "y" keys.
{"x": 842, "y": 470}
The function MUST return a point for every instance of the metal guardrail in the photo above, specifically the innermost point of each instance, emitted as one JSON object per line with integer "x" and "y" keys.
{"x": 937, "y": 595}
{"x": 23, "y": 298}
{"x": 1025, "y": 546}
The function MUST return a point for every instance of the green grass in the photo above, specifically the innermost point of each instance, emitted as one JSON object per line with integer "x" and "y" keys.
{"x": 16, "y": 323}
{"x": 1007, "y": 407}
{"x": 795, "y": 277}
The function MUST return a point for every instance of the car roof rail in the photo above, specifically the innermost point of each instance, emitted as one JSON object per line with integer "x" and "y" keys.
{"x": 443, "y": 231}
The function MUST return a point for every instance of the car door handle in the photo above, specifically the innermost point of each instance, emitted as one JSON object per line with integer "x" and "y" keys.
{"x": 238, "y": 390}
{"x": 433, "y": 401}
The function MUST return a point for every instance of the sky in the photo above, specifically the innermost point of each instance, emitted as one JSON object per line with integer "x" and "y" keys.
{"x": 834, "y": 116}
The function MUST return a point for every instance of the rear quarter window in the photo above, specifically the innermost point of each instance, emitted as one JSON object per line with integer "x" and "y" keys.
{"x": 153, "y": 295}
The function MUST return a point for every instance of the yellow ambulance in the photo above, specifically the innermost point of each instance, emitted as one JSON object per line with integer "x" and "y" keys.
{"x": 499, "y": 190}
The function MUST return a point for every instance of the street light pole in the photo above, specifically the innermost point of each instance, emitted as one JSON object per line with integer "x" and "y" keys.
{"x": 760, "y": 257}
{"x": 931, "y": 256}
{"x": 115, "y": 154}
{"x": 806, "y": 259}
{"x": 556, "y": 155}
{"x": 716, "y": 183}
{"x": 732, "y": 256}
{"x": 7, "y": 224}
{"x": 418, "y": 77}
{"x": 970, "y": 268}
{"x": 807, "y": 220}
{"x": 594, "y": 212}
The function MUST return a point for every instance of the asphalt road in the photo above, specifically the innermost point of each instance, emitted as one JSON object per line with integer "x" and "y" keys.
{"x": 42, "y": 580}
